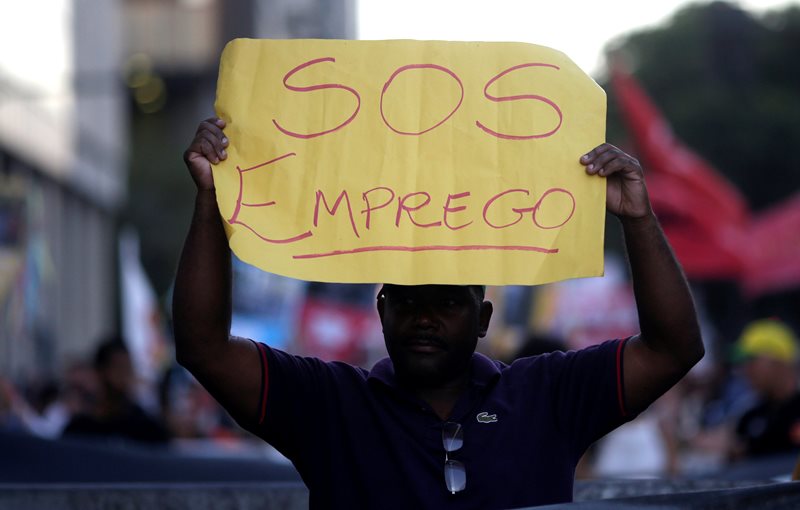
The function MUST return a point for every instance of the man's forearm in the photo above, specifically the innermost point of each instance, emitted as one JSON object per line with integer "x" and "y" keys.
{"x": 667, "y": 316}
{"x": 202, "y": 297}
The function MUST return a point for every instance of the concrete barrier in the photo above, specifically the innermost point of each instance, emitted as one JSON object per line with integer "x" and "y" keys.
{"x": 176, "y": 496}
{"x": 38, "y": 474}
{"x": 661, "y": 494}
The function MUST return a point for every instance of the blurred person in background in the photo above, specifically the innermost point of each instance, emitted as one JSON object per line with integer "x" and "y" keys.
{"x": 115, "y": 416}
{"x": 191, "y": 413}
{"x": 10, "y": 403}
{"x": 44, "y": 412}
{"x": 768, "y": 353}
{"x": 81, "y": 388}
{"x": 46, "y": 406}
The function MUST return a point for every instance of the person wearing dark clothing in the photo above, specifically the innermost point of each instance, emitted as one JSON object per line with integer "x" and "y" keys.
{"x": 435, "y": 425}
{"x": 115, "y": 416}
{"x": 767, "y": 351}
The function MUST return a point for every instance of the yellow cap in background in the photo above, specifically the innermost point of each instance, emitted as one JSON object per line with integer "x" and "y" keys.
{"x": 770, "y": 338}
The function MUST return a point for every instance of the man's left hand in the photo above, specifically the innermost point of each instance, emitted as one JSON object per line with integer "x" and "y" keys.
{"x": 626, "y": 193}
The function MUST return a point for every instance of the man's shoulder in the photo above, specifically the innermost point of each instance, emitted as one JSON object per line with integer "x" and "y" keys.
{"x": 560, "y": 356}
{"x": 285, "y": 361}
{"x": 594, "y": 359}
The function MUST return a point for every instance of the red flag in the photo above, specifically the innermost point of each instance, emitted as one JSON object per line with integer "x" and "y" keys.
{"x": 773, "y": 261}
{"x": 704, "y": 215}
{"x": 663, "y": 153}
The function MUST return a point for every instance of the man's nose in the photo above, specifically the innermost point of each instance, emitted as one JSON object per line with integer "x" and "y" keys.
{"x": 425, "y": 315}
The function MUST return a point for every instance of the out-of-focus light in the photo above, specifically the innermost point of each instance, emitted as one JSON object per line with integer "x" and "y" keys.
{"x": 137, "y": 70}
{"x": 148, "y": 89}
{"x": 151, "y": 96}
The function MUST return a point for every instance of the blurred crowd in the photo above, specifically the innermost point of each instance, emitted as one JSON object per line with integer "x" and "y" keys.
{"x": 743, "y": 405}
{"x": 102, "y": 400}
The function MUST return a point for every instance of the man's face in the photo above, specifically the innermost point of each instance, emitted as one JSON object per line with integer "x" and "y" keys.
{"x": 431, "y": 330}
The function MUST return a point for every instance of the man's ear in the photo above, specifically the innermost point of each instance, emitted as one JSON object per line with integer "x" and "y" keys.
{"x": 381, "y": 303}
{"x": 484, "y": 318}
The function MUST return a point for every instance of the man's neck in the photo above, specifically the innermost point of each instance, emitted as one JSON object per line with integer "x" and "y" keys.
{"x": 442, "y": 398}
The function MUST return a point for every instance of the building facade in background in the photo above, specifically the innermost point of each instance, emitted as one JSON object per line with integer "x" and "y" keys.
{"x": 97, "y": 98}
{"x": 63, "y": 145}
{"x": 173, "y": 48}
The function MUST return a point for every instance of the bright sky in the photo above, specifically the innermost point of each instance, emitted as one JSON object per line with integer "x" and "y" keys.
{"x": 37, "y": 45}
{"x": 578, "y": 28}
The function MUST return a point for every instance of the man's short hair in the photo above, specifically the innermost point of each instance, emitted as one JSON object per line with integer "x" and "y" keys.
{"x": 480, "y": 290}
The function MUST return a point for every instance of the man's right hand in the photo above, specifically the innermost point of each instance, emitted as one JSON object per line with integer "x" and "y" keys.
{"x": 207, "y": 147}
{"x": 229, "y": 368}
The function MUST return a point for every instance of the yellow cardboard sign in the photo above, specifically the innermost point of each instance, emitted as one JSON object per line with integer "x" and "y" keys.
{"x": 410, "y": 162}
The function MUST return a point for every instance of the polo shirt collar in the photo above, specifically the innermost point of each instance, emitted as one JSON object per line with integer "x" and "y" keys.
{"x": 484, "y": 371}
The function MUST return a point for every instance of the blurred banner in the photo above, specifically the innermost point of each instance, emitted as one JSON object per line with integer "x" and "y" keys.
{"x": 410, "y": 161}
{"x": 26, "y": 276}
{"x": 587, "y": 311}
{"x": 266, "y": 307}
{"x": 12, "y": 218}
{"x": 338, "y": 331}
{"x": 143, "y": 326}
{"x": 12, "y": 264}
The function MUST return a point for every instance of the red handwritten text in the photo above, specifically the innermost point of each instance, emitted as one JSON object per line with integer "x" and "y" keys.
{"x": 425, "y": 67}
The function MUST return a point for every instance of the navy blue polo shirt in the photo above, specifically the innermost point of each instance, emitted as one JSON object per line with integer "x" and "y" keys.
{"x": 360, "y": 441}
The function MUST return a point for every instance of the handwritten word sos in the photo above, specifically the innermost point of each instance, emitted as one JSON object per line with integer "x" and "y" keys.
{"x": 429, "y": 68}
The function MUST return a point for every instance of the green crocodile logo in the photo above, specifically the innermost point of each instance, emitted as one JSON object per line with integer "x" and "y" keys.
{"x": 485, "y": 417}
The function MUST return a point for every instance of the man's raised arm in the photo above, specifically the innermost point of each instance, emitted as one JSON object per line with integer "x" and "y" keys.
{"x": 669, "y": 343}
{"x": 229, "y": 368}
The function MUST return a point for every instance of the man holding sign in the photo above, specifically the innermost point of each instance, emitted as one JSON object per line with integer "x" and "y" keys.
{"x": 435, "y": 425}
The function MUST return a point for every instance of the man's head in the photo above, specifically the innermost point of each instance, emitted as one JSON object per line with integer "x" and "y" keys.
{"x": 431, "y": 331}
{"x": 768, "y": 352}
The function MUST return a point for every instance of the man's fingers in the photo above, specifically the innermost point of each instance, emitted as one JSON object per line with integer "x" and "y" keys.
{"x": 207, "y": 149}
{"x": 607, "y": 159}
{"x": 213, "y": 127}
{"x": 615, "y": 165}
{"x": 213, "y": 144}
{"x": 209, "y": 141}
{"x": 212, "y": 124}
{"x": 593, "y": 154}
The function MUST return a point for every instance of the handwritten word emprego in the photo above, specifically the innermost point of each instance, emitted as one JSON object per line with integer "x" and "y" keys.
{"x": 453, "y": 211}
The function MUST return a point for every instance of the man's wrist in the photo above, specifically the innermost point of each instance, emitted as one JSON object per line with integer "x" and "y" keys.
{"x": 205, "y": 194}
{"x": 206, "y": 202}
{"x": 648, "y": 220}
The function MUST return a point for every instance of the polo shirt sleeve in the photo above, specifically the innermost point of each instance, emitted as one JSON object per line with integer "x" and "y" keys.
{"x": 297, "y": 394}
{"x": 589, "y": 392}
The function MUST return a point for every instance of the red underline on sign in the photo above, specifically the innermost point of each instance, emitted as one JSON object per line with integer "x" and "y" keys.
{"x": 471, "y": 247}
